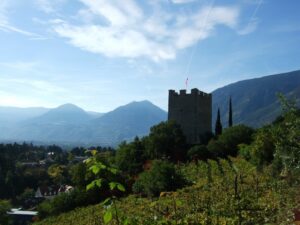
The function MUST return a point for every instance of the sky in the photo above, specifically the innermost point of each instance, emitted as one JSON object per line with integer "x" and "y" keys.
{"x": 100, "y": 54}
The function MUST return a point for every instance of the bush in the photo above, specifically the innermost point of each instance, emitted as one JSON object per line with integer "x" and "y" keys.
{"x": 130, "y": 157}
{"x": 69, "y": 201}
{"x": 161, "y": 177}
{"x": 166, "y": 140}
{"x": 228, "y": 142}
{"x": 4, "y": 207}
{"x": 198, "y": 152}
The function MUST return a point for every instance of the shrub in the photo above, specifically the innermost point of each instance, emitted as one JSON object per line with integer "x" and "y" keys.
{"x": 166, "y": 140}
{"x": 161, "y": 177}
{"x": 228, "y": 142}
{"x": 4, "y": 207}
{"x": 198, "y": 152}
{"x": 69, "y": 201}
{"x": 130, "y": 157}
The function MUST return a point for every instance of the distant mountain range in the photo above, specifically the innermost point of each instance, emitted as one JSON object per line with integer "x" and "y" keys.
{"x": 254, "y": 104}
{"x": 255, "y": 101}
{"x": 69, "y": 124}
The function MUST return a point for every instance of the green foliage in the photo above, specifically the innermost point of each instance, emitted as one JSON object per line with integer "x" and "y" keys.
{"x": 161, "y": 177}
{"x": 78, "y": 174}
{"x": 218, "y": 125}
{"x": 66, "y": 202}
{"x": 261, "y": 150}
{"x": 166, "y": 140}
{"x": 130, "y": 157}
{"x": 4, "y": 207}
{"x": 198, "y": 152}
{"x": 287, "y": 140}
{"x": 58, "y": 173}
{"x": 278, "y": 143}
{"x": 227, "y": 143}
{"x": 105, "y": 173}
{"x": 224, "y": 192}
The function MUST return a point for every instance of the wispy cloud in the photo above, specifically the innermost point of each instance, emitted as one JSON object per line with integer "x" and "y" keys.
{"x": 251, "y": 26}
{"x": 253, "y": 21}
{"x": 6, "y": 26}
{"x": 128, "y": 31}
{"x": 182, "y": 1}
{"x": 21, "y": 65}
{"x": 49, "y": 6}
{"x": 29, "y": 92}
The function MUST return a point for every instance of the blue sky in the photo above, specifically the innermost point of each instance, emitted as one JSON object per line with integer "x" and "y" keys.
{"x": 100, "y": 54}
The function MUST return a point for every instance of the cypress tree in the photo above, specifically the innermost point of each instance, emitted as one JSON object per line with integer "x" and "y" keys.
{"x": 230, "y": 113}
{"x": 218, "y": 127}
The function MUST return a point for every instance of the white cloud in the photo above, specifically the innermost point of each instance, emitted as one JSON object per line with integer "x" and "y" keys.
{"x": 116, "y": 12}
{"x": 20, "y": 65}
{"x": 128, "y": 31}
{"x": 3, "y": 11}
{"x": 251, "y": 26}
{"x": 49, "y": 6}
{"x": 253, "y": 21}
{"x": 182, "y": 1}
{"x": 6, "y": 26}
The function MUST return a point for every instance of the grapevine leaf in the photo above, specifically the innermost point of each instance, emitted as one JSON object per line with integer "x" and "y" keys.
{"x": 95, "y": 169}
{"x": 107, "y": 217}
{"x": 112, "y": 185}
{"x": 106, "y": 202}
{"x": 121, "y": 187}
{"x": 90, "y": 186}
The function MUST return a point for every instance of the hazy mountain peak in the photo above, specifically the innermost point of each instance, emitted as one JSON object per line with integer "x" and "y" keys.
{"x": 68, "y": 107}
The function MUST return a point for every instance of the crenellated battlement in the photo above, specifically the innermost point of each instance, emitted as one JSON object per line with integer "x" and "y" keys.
{"x": 183, "y": 92}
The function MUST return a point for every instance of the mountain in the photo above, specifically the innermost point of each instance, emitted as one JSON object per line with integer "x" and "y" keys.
{"x": 69, "y": 124}
{"x": 64, "y": 114}
{"x": 255, "y": 101}
{"x": 126, "y": 122}
{"x": 10, "y": 115}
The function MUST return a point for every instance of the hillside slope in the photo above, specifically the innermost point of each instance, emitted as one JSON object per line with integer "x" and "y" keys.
{"x": 255, "y": 101}
{"x": 210, "y": 198}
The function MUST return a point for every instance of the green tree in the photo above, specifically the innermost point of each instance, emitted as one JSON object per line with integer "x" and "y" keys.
{"x": 263, "y": 148}
{"x": 58, "y": 173}
{"x": 161, "y": 177}
{"x": 78, "y": 174}
{"x": 166, "y": 140}
{"x": 230, "y": 113}
{"x": 218, "y": 126}
{"x": 228, "y": 142}
{"x": 287, "y": 139}
{"x": 198, "y": 152}
{"x": 130, "y": 157}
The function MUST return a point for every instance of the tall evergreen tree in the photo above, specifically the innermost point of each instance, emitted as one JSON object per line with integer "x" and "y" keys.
{"x": 230, "y": 113}
{"x": 218, "y": 127}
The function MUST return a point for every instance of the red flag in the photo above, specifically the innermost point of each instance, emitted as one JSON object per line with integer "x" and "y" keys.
{"x": 186, "y": 82}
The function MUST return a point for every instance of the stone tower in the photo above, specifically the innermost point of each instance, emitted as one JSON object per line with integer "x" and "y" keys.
{"x": 192, "y": 112}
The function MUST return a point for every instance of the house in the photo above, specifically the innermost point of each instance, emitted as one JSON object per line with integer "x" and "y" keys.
{"x": 49, "y": 192}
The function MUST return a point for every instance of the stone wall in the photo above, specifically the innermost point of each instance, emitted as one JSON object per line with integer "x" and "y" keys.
{"x": 192, "y": 111}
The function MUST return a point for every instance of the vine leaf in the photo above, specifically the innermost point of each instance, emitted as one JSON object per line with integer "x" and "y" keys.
{"x": 107, "y": 217}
